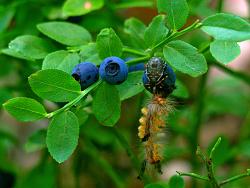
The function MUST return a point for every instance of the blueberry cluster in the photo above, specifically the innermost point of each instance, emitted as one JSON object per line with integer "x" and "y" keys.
{"x": 113, "y": 70}
{"x": 159, "y": 78}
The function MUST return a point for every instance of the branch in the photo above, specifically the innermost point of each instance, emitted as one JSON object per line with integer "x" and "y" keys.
{"x": 234, "y": 178}
{"x": 197, "y": 176}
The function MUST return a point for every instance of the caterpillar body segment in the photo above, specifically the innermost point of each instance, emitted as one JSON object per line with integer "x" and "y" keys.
{"x": 152, "y": 125}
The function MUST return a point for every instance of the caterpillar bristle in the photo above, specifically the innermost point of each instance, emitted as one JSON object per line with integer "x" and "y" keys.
{"x": 151, "y": 131}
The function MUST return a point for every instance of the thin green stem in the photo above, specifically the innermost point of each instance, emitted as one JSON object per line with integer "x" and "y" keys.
{"x": 214, "y": 148}
{"x": 93, "y": 152}
{"x": 73, "y": 102}
{"x": 137, "y": 60}
{"x": 237, "y": 74}
{"x": 134, "y": 160}
{"x": 197, "y": 176}
{"x": 234, "y": 178}
{"x": 133, "y": 51}
{"x": 220, "y": 5}
{"x": 176, "y": 34}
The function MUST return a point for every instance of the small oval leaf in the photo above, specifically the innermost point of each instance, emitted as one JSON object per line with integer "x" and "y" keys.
{"x": 185, "y": 58}
{"x": 65, "y": 33}
{"x": 108, "y": 43}
{"x": 106, "y": 104}
{"x": 224, "y": 51}
{"x": 62, "y": 136}
{"x": 54, "y": 85}
{"x": 25, "y": 109}
{"x": 228, "y": 27}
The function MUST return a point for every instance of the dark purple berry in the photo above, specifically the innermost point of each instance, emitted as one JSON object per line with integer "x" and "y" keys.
{"x": 113, "y": 70}
{"x": 86, "y": 74}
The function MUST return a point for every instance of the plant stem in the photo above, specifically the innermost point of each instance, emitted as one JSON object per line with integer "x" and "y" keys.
{"x": 130, "y": 153}
{"x": 220, "y": 4}
{"x": 197, "y": 176}
{"x": 133, "y": 51}
{"x": 234, "y": 178}
{"x": 214, "y": 147}
{"x": 137, "y": 60}
{"x": 237, "y": 74}
{"x": 176, "y": 34}
{"x": 92, "y": 151}
{"x": 199, "y": 112}
{"x": 76, "y": 100}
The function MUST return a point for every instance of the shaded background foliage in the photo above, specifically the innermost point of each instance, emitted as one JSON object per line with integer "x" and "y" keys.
{"x": 216, "y": 104}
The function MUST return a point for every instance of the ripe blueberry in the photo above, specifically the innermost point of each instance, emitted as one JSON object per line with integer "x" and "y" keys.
{"x": 86, "y": 74}
{"x": 113, "y": 70}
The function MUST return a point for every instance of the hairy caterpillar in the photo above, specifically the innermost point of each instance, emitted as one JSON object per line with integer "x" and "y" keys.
{"x": 159, "y": 79}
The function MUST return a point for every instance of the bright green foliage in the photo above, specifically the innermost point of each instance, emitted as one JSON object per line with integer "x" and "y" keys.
{"x": 89, "y": 53}
{"x": 132, "y": 86}
{"x": 224, "y": 51}
{"x": 185, "y": 58}
{"x": 229, "y": 27}
{"x": 135, "y": 29}
{"x": 108, "y": 43}
{"x": 81, "y": 7}
{"x": 54, "y": 85}
{"x": 176, "y": 182}
{"x": 65, "y": 33}
{"x": 62, "y": 136}
{"x": 107, "y": 105}
{"x": 176, "y": 11}
{"x": 156, "y": 26}
{"x": 29, "y": 47}
{"x": 61, "y": 60}
{"x": 25, "y": 109}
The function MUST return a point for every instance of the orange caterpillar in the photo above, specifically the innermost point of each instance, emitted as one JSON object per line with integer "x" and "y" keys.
{"x": 151, "y": 124}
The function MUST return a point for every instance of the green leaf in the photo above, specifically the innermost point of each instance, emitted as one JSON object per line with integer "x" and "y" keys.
{"x": 25, "y": 109}
{"x": 65, "y": 33}
{"x": 224, "y": 51}
{"x": 156, "y": 31}
{"x": 62, "y": 136}
{"x": 181, "y": 90}
{"x": 61, "y": 60}
{"x": 176, "y": 11}
{"x": 106, "y": 104}
{"x": 81, "y": 7}
{"x": 227, "y": 27}
{"x": 89, "y": 53}
{"x": 108, "y": 43}
{"x": 54, "y": 85}
{"x": 176, "y": 182}
{"x": 36, "y": 141}
{"x": 132, "y": 86}
{"x": 135, "y": 30}
{"x": 185, "y": 58}
{"x": 16, "y": 54}
{"x": 29, "y": 47}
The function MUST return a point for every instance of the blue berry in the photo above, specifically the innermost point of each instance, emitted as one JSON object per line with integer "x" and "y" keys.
{"x": 113, "y": 70}
{"x": 86, "y": 74}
